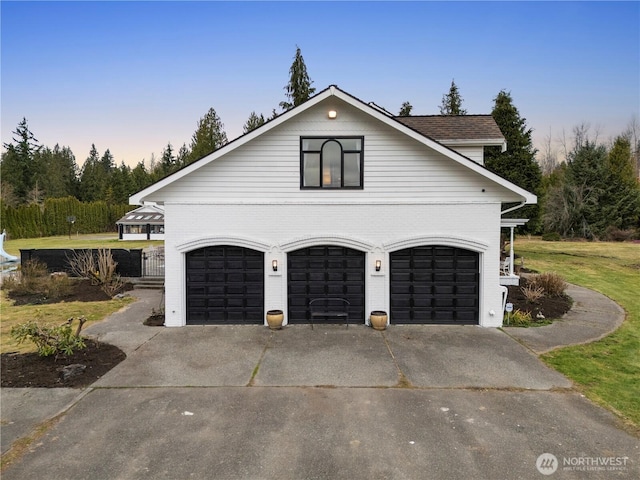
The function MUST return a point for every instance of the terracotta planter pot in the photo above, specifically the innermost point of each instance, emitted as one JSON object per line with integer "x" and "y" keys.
{"x": 378, "y": 320}
{"x": 274, "y": 319}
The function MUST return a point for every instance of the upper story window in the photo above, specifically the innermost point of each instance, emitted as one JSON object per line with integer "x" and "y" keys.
{"x": 331, "y": 162}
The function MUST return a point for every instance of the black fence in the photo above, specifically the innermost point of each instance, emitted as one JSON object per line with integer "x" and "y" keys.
{"x": 57, "y": 260}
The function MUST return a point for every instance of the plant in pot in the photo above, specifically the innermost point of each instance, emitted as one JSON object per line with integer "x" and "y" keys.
{"x": 274, "y": 319}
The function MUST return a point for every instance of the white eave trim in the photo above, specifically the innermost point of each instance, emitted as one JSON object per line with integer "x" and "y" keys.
{"x": 482, "y": 142}
{"x": 512, "y": 222}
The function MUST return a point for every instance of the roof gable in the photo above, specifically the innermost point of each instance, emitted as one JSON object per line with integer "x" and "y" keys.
{"x": 370, "y": 111}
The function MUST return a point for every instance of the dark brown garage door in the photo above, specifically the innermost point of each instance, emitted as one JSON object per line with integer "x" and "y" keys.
{"x": 225, "y": 285}
{"x": 435, "y": 284}
{"x": 321, "y": 272}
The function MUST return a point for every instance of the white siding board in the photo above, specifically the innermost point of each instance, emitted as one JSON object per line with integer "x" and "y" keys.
{"x": 396, "y": 167}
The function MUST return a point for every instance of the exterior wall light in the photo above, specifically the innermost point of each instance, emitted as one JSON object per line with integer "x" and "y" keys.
{"x": 378, "y": 265}
{"x": 274, "y": 265}
{"x": 332, "y": 114}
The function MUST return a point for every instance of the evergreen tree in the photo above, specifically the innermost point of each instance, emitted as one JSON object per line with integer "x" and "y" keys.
{"x": 517, "y": 164}
{"x": 253, "y": 122}
{"x": 106, "y": 161}
{"x": 121, "y": 184}
{"x": 57, "y": 172}
{"x": 183, "y": 156}
{"x": 209, "y": 136}
{"x": 299, "y": 88}
{"x": 620, "y": 201}
{"x": 18, "y": 162}
{"x": 93, "y": 179}
{"x": 405, "y": 110}
{"x": 167, "y": 160}
{"x": 452, "y": 102}
{"x": 140, "y": 178}
{"x": 597, "y": 193}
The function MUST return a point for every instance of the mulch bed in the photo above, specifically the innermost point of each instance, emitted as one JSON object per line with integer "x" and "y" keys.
{"x": 80, "y": 291}
{"x": 549, "y": 307}
{"x": 20, "y": 370}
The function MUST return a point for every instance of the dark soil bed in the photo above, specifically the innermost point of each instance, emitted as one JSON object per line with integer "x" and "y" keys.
{"x": 549, "y": 307}
{"x": 21, "y": 370}
{"x": 79, "y": 291}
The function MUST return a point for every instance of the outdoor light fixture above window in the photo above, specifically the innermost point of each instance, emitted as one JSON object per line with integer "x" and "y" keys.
{"x": 332, "y": 114}
{"x": 274, "y": 265}
{"x": 378, "y": 265}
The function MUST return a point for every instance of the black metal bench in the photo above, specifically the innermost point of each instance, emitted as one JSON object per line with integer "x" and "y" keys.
{"x": 329, "y": 307}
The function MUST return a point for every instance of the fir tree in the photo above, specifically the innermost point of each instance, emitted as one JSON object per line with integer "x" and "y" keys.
{"x": 299, "y": 88}
{"x": 452, "y": 102}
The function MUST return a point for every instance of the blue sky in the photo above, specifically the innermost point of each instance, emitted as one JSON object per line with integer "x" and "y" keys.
{"x": 132, "y": 76}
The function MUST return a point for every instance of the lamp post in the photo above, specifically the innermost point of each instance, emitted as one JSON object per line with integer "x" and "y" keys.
{"x": 71, "y": 219}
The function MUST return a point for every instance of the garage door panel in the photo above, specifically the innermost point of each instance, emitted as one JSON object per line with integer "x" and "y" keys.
{"x": 325, "y": 271}
{"x": 434, "y": 284}
{"x": 421, "y": 276}
{"x": 225, "y": 285}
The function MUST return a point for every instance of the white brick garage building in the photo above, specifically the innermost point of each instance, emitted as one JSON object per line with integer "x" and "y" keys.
{"x": 360, "y": 206}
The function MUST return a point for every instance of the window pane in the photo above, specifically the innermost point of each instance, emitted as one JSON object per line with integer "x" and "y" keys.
{"x": 313, "y": 144}
{"x": 351, "y": 143}
{"x": 311, "y": 169}
{"x": 331, "y": 165}
{"x": 351, "y": 169}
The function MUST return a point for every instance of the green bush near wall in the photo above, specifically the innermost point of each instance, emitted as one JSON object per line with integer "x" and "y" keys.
{"x": 50, "y": 218}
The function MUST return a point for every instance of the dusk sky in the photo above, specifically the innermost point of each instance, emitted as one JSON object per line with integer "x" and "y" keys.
{"x": 133, "y": 76}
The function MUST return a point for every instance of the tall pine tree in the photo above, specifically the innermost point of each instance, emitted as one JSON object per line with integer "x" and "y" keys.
{"x": 209, "y": 136}
{"x": 517, "y": 164}
{"x": 299, "y": 88}
{"x": 19, "y": 163}
{"x": 452, "y": 102}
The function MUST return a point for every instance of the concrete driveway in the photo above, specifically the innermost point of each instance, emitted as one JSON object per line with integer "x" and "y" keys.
{"x": 331, "y": 402}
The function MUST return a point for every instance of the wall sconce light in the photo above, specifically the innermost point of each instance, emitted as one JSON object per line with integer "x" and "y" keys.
{"x": 332, "y": 114}
{"x": 378, "y": 265}
{"x": 274, "y": 265}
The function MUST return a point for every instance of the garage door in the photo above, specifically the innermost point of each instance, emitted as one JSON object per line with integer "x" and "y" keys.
{"x": 435, "y": 284}
{"x": 321, "y": 272}
{"x": 225, "y": 285}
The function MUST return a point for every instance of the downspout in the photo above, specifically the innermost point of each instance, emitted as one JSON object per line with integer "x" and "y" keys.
{"x": 511, "y": 259}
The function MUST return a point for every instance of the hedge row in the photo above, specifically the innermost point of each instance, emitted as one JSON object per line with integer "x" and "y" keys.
{"x": 51, "y": 218}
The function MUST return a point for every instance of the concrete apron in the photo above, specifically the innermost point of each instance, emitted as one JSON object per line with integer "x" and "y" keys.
{"x": 333, "y": 355}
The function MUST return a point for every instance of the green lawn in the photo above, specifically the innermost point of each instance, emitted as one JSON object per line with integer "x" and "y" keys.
{"x": 50, "y": 314}
{"x": 103, "y": 240}
{"x": 606, "y": 371}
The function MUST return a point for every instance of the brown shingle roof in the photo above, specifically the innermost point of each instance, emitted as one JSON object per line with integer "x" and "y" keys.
{"x": 454, "y": 127}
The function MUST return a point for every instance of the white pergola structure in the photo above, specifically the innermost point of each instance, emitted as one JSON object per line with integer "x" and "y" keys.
{"x": 507, "y": 275}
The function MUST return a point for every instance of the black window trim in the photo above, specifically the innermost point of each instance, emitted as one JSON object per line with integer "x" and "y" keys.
{"x": 326, "y": 139}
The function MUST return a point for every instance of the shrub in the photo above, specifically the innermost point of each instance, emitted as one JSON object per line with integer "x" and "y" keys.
{"x": 518, "y": 318}
{"x": 532, "y": 292}
{"x": 551, "y": 283}
{"x": 614, "y": 234}
{"x": 551, "y": 237}
{"x": 51, "y": 340}
{"x": 100, "y": 269}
